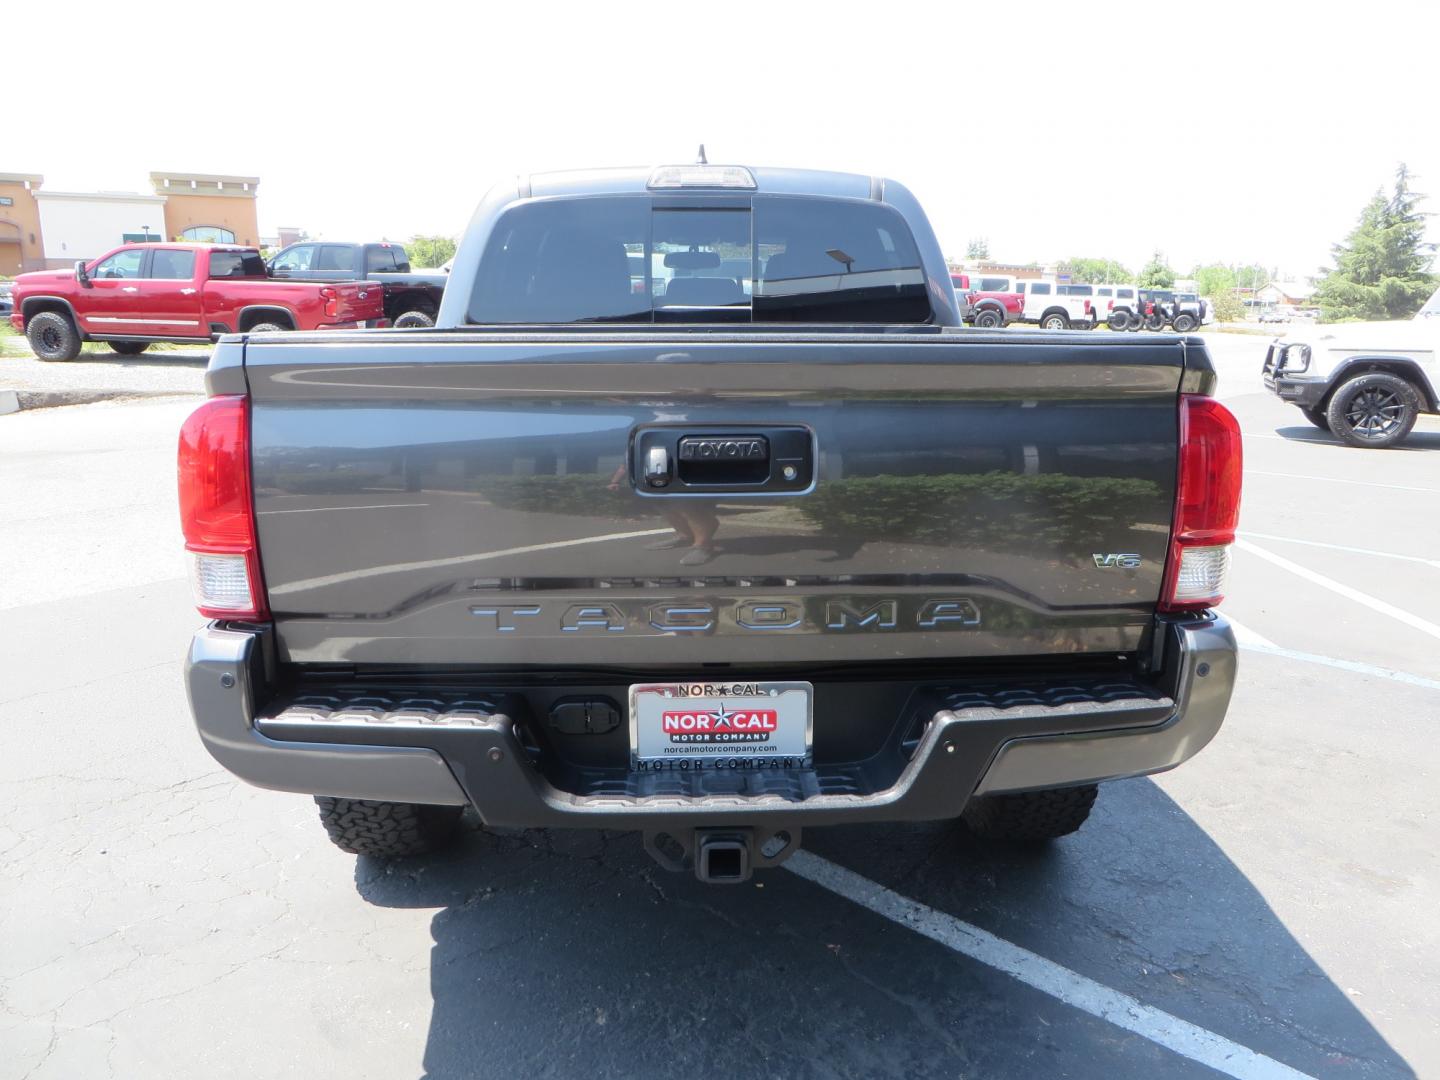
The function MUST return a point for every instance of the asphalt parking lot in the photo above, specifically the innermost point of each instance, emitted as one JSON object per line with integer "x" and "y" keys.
{"x": 1268, "y": 910}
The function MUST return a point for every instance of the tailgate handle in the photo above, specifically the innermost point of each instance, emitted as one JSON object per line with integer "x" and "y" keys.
{"x": 675, "y": 461}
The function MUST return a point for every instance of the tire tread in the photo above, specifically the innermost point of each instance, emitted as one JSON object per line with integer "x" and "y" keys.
{"x": 1030, "y": 816}
{"x": 386, "y": 830}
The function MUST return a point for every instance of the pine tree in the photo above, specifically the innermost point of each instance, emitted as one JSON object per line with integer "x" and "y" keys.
{"x": 1382, "y": 270}
{"x": 1156, "y": 274}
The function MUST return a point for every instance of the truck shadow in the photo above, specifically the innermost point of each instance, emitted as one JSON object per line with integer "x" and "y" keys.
{"x": 561, "y": 953}
{"x": 1416, "y": 440}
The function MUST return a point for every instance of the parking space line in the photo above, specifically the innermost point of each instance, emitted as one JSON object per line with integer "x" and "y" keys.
{"x": 1337, "y": 480}
{"x": 1413, "y": 621}
{"x": 1184, "y": 1038}
{"x": 1356, "y": 666}
{"x": 1344, "y": 547}
{"x": 1247, "y": 638}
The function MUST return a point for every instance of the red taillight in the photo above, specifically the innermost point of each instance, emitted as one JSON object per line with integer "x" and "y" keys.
{"x": 1207, "y": 505}
{"x": 216, "y": 512}
{"x": 330, "y": 296}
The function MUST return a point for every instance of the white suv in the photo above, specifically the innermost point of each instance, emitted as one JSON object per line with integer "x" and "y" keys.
{"x": 1365, "y": 382}
{"x": 1055, "y": 306}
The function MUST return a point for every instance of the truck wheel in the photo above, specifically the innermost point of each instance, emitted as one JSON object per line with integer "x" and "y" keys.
{"x": 1375, "y": 410}
{"x": 387, "y": 830}
{"x": 129, "y": 348}
{"x": 420, "y": 318}
{"x": 1184, "y": 323}
{"x": 988, "y": 319}
{"x": 1055, "y": 321}
{"x": 53, "y": 336}
{"x": 1155, "y": 322}
{"x": 1031, "y": 815}
{"x": 267, "y": 328}
{"x": 1316, "y": 417}
{"x": 1118, "y": 320}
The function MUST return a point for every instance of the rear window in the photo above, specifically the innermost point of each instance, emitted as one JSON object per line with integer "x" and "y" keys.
{"x": 724, "y": 259}
{"x": 994, "y": 284}
{"x": 1040, "y": 288}
{"x": 387, "y": 259}
{"x": 233, "y": 264}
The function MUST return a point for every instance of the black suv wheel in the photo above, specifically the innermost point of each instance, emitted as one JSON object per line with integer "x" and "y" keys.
{"x": 1375, "y": 410}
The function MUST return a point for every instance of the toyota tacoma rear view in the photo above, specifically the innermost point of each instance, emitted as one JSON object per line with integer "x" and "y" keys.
{"x": 700, "y": 514}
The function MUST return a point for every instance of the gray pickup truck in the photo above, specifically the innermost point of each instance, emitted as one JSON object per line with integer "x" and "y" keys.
{"x": 700, "y": 514}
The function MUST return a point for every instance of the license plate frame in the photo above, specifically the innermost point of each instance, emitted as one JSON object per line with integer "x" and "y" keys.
{"x": 749, "y": 743}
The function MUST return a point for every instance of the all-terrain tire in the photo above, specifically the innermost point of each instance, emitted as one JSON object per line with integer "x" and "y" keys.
{"x": 1316, "y": 417}
{"x": 1030, "y": 816}
{"x": 1375, "y": 410}
{"x": 387, "y": 830}
{"x": 267, "y": 328}
{"x": 129, "y": 348}
{"x": 1119, "y": 320}
{"x": 412, "y": 319}
{"x": 1185, "y": 322}
{"x": 53, "y": 336}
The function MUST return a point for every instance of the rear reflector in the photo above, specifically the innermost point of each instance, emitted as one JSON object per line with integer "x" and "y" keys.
{"x": 1207, "y": 505}
{"x": 216, "y": 513}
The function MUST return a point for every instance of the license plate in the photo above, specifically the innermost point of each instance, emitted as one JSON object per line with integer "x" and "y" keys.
{"x": 726, "y": 725}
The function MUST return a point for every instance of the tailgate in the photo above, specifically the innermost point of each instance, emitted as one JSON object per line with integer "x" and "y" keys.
{"x": 478, "y": 498}
{"x": 357, "y": 301}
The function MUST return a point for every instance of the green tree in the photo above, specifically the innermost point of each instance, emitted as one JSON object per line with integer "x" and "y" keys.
{"x": 979, "y": 248}
{"x": 1156, "y": 274}
{"x": 1382, "y": 269}
{"x": 1097, "y": 271}
{"x": 1253, "y": 276}
{"x": 1213, "y": 278}
{"x": 1217, "y": 283}
{"x": 429, "y": 251}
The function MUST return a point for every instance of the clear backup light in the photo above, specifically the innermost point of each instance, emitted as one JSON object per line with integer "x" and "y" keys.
{"x": 221, "y": 583}
{"x": 1207, "y": 505}
{"x": 1201, "y": 576}
{"x": 702, "y": 176}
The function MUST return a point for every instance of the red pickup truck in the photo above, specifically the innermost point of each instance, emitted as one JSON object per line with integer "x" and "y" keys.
{"x": 142, "y": 293}
{"x": 987, "y": 300}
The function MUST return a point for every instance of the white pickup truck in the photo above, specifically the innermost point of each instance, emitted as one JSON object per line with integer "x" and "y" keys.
{"x": 1055, "y": 306}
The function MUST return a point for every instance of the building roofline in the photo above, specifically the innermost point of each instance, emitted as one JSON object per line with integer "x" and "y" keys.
{"x": 103, "y": 196}
{"x": 207, "y": 178}
{"x": 33, "y": 179}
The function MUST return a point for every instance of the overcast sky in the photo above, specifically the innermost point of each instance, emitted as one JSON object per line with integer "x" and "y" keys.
{"x": 1252, "y": 132}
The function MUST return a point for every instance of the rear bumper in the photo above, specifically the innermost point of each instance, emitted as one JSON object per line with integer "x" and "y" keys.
{"x": 470, "y": 756}
{"x": 366, "y": 324}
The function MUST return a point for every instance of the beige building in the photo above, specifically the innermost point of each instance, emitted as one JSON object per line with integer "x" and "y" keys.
{"x": 21, "y": 246}
{"x": 52, "y": 229}
{"x": 208, "y": 208}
